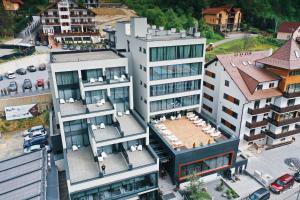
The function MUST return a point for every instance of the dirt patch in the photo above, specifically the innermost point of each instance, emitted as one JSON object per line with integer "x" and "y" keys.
{"x": 11, "y": 144}
{"x": 109, "y": 11}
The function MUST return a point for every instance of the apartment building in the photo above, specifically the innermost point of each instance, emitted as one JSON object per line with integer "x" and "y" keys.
{"x": 167, "y": 68}
{"x": 105, "y": 142}
{"x": 67, "y": 22}
{"x": 249, "y": 98}
{"x": 223, "y": 18}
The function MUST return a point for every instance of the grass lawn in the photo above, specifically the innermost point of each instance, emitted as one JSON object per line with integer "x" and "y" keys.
{"x": 249, "y": 44}
{"x": 22, "y": 124}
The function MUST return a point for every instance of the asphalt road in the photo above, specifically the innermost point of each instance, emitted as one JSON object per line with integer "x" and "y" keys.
{"x": 33, "y": 76}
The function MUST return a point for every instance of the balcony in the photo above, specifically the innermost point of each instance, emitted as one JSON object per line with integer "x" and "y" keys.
{"x": 252, "y": 125}
{"x": 254, "y": 137}
{"x": 284, "y": 122}
{"x": 51, "y": 23}
{"x": 291, "y": 95}
{"x": 104, "y": 81}
{"x": 79, "y": 33}
{"x": 285, "y": 109}
{"x": 282, "y": 135}
{"x": 257, "y": 111}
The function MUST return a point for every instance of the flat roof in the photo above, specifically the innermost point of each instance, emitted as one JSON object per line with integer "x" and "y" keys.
{"x": 129, "y": 125}
{"x": 77, "y": 56}
{"x": 183, "y": 133}
{"x": 24, "y": 177}
{"x": 76, "y": 108}
{"x": 166, "y": 37}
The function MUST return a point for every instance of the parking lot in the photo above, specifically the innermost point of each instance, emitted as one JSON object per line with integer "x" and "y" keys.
{"x": 33, "y": 76}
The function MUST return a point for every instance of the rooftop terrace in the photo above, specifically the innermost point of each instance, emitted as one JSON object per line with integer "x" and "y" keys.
{"x": 187, "y": 133}
{"x": 77, "y": 56}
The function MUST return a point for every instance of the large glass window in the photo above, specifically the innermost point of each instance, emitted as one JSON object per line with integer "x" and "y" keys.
{"x": 175, "y": 71}
{"x": 115, "y": 72}
{"x": 167, "y": 104}
{"x": 203, "y": 166}
{"x": 95, "y": 96}
{"x": 66, "y": 78}
{"x": 120, "y": 189}
{"x": 176, "y": 52}
{"x": 294, "y": 88}
{"x": 91, "y": 73}
{"x": 120, "y": 96}
{"x": 68, "y": 85}
{"x": 76, "y": 133}
{"x": 170, "y": 88}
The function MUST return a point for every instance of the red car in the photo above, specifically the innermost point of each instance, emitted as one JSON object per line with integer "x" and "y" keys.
{"x": 282, "y": 183}
{"x": 40, "y": 82}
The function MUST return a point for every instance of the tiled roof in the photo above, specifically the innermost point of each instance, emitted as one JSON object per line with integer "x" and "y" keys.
{"x": 286, "y": 57}
{"x": 288, "y": 27}
{"x": 24, "y": 177}
{"x": 216, "y": 10}
{"x": 242, "y": 70}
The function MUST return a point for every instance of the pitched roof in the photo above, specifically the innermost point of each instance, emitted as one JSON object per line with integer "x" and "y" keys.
{"x": 242, "y": 70}
{"x": 24, "y": 177}
{"x": 286, "y": 57}
{"x": 216, "y": 10}
{"x": 288, "y": 27}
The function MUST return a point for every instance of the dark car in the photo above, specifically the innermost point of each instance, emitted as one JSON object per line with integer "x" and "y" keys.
{"x": 41, "y": 140}
{"x": 42, "y": 67}
{"x": 31, "y": 68}
{"x": 12, "y": 87}
{"x": 72, "y": 47}
{"x": 27, "y": 84}
{"x": 40, "y": 83}
{"x": 297, "y": 176}
{"x": 282, "y": 183}
{"x": 65, "y": 47}
{"x": 260, "y": 194}
{"x": 1, "y": 77}
{"x": 21, "y": 71}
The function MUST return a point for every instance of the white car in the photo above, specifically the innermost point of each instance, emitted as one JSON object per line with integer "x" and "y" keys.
{"x": 35, "y": 134}
{"x": 33, "y": 129}
{"x": 37, "y": 148}
{"x": 10, "y": 75}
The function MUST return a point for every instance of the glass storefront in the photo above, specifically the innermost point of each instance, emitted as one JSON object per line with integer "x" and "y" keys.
{"x": 120, "y": 189}
{"x": 175, "y": 71}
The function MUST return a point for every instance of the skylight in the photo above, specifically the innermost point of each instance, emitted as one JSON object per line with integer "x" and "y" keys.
{"x": 244, "y": 63}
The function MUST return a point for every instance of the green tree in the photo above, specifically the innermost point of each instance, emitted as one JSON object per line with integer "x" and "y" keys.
{"x": 195, "y": 190}
{"x": 6, "y": 22}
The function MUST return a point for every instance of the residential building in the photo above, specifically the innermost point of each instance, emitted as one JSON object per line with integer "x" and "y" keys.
{"x": 105, "y": 142}
{"x": 167, "y": 68}
{"x": 92, "y": 3}
{"x": 287, "y": 29}
{"x": 224, "y": 18}
{"x": 12, "y": 5}
{"x": 247, "y": 94}
{"x": 67, "y": 22}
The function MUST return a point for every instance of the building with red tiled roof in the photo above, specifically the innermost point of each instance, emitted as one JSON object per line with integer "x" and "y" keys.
{"x": 224, "y": 18}
{"x": 287, "y": 29}
{"x": 255, "y": 95}
{"x": 12, "y": 5}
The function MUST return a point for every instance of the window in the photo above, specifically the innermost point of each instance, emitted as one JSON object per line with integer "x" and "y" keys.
{"x": 231, "y": 99}
{"x": 177, "y": 87}
{"x": 285, "y": 129}
{"x": 256, "y": 104}
{"x": 145, "y": 85}
{"x": 259, "y": 87}
{"x": 141, "y": 67}
{"x": 208, "y": 97}
{"x": 141, "y": 98}
{"x": 292, "y": 88}
{"x": 210, "y": 74}
{"x": 145, "y": 101}
{"x": 294, "y": 73}
{"x": 229, "y": 112}
{"x": 176, "y": 52}
{"x": 208, "y": 85}
{"x": 175, "y": 71}
{"x": 145, "y": 69}
{"x": 226, "y": 83}
{"x": 206, "y": 107}
{"x": 254, "y": 119}
{"x": 252, "y": 132}
{"x": 266, "y": 114}
{"x": 140, "y": 49}
{"x": 271, "y": 85}
{"x": 141, "y": 82}
{"x": 291, "y": 102}
{"x": 228, "y": 124}
{"x": 144, "y": 51}
{"x": 268, "y": 100}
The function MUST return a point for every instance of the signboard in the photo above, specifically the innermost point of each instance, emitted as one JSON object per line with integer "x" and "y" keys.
{"x": 21, "y": 112}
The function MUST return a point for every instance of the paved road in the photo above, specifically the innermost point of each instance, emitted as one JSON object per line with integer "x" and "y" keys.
{"x": 233, "y": 36}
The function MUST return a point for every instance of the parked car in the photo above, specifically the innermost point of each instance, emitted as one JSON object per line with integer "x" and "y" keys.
{"x": 10, "y": 75}
{"x": 13, "y": 86}
{"x": 260, "y": 194}
{"x": 78, "y": 48}
{"x": 37, "y": 148}
{"x": 1, "y": 77}
{"x": 27, "y": 84}
{"x": 34, "y": 134}
{"x": 33, "y": 129}
{"x": 21, "y": 71}
{"x": 45, "y": 43}
{"x": 65, "y": 47}
{"x": 31, "y": 68}
{"x": 297, "y": 176}
{"x": 72, "y": 47}
{"x": 42, "y": 67}
{"x": 41, "y": 140}
{"x": 282, "y": 183}
{"x": 40, "y": 83}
